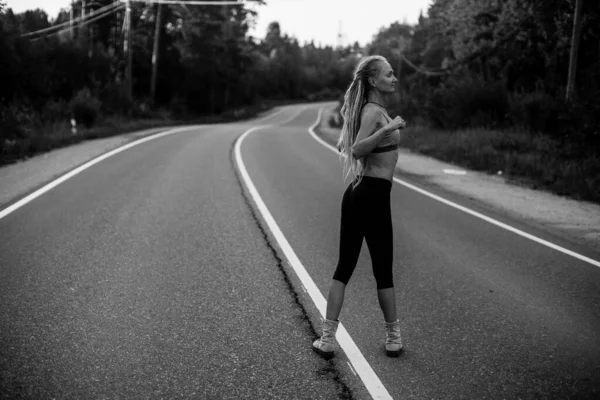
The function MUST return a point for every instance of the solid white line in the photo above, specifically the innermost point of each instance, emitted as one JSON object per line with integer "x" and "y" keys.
{"x": 360, "y": 364}
{"x": 85, "y": 166}
{"x": 72, "y": 173}
{"x": 465, "y": 209}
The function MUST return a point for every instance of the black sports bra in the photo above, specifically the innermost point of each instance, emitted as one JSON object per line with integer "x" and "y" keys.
{"x": 387, "y": 147}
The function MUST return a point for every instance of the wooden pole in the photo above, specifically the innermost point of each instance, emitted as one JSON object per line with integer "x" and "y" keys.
{"x": 83, "y": 29}
{"x": 155, "y": 53}
{"x": 71, "y": 20}
{"x": 574, "y": 50}
{"x": 128, "y": 54}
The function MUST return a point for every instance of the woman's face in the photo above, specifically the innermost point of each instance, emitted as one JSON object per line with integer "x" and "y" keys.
{"x": 384, "y": 81}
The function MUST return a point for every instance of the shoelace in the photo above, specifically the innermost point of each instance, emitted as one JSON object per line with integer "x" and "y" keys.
{"x": 393, "y": 336}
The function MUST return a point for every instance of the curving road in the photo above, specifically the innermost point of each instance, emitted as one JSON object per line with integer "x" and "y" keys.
{"x": 152, "y": 275}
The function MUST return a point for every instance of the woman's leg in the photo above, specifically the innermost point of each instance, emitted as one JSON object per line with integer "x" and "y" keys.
{"x": 379, "y": 238}
{"x": 335, "y": 300}
{"x": 387, "y": 302}
{"x": 351, "y": 237}
{"x": 350, "y": 243}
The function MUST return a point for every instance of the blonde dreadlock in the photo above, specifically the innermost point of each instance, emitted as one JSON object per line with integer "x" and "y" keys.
{"x": 354, "y": 100}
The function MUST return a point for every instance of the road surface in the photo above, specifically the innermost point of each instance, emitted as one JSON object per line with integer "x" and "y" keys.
{"x": 153, "y": 274}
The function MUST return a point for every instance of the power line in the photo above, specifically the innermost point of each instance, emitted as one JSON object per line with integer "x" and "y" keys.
{"x": 115, "y": 6}
{"x": 476, "y": 54}
{"x": 422, "y": 70}
{"x": 111, "y": 6}
{"x": 87, "y": 21}
{"x": 191, "y": 2}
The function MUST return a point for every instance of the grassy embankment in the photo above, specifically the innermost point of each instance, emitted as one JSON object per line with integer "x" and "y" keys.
{"x": 534, "y": 161}
{"x": 42, "y": 136}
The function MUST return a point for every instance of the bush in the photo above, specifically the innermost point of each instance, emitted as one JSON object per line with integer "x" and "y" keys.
{"x": 85, "y": 108}
{"x": 178, "y": 106}
{"x": 114, "y": 99}
{"x": 56, "y": 110}
{"x": 576, "y": 124}
{"x": 535, "y": 111}
{"x": 579, "y": 124}
{"x": 462, "y": 102}
{"x": 142, "y": 109}
{"x": 16, "y": 121}
{"x": 10, "y": 129}
{"x": 335, "y": 120}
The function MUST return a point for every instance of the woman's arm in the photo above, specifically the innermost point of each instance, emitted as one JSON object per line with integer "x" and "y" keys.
{"x": 368, "y": 135}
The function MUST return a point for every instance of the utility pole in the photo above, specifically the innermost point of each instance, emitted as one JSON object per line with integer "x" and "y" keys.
{"x": 71, "y": 20}
{"x": 156, "y": 49}
{"x": 128, "y": 55}
{"x": 155, "y": 53}
{"x": 83, "y": 27}
{"x": 339, "y": 36}
{"x": 574, "y": 50}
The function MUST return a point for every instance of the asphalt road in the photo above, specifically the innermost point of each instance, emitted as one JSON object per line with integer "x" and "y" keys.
{"x": 152, "y": 275}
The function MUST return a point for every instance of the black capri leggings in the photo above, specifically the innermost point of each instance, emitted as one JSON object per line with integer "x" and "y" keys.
{"x": 366, "y": 214}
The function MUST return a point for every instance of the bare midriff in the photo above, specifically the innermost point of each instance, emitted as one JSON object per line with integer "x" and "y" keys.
{"x": 382, "y": 165}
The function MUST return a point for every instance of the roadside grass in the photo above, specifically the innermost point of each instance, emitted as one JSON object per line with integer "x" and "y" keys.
{"x": 40, "y": 137}
{"x": 43, "y": 138}
{"x": 534, "y": 161}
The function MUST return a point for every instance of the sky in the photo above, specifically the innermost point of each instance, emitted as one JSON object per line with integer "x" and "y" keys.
{"x": 306, "y": 20}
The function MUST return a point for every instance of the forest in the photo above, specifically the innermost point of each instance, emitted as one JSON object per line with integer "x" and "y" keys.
{"x": 493, "y": 85}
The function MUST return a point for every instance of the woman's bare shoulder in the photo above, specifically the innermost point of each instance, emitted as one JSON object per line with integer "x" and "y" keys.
{"x": 371, "y": 109}
{"x": 372, "y": 113}
{"x": 371, "y": 119}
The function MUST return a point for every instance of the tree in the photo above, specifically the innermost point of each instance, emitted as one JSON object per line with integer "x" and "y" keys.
{"x": 391, "y": 43}
{"x": 33, "y": 20}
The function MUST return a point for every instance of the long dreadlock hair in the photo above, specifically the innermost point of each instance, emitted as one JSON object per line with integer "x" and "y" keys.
{"x": 354, "y": 100}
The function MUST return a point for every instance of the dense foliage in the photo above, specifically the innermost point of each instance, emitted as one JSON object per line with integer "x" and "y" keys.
{"x": 489, "y": 81}
{"x": 207, "y": 61}
{"x": 492, "y": 63}
{"x": 499, "y": 63}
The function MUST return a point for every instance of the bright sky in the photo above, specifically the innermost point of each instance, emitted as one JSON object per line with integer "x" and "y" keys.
{"x": 318, "y": 20}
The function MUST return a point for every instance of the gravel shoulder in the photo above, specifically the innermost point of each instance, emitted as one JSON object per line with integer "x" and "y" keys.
{"x": 577, "y": 220}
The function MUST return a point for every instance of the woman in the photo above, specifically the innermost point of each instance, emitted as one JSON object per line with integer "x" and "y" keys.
{"x": 368, "y": 143}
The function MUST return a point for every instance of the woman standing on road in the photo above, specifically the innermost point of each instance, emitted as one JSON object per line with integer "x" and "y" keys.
{"x": 369, "y": 144}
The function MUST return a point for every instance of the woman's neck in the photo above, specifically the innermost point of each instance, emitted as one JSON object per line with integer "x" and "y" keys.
{"x": 376, "y": 97}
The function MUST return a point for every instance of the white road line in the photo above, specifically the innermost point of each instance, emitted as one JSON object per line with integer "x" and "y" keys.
{"x": 72, "y": 173}
{"x": 465, "y": 209}
{"x": 360, "y": 364}
{"x": 85, "y": 166}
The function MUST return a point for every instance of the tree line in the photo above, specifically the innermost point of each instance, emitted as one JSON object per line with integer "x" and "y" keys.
{"x": 494, "y": 63}
{"x": 503, "y": 64}
{"x": 207, "y": 61}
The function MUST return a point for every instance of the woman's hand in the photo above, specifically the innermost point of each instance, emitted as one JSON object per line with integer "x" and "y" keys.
{"x": 396, "y": 123}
